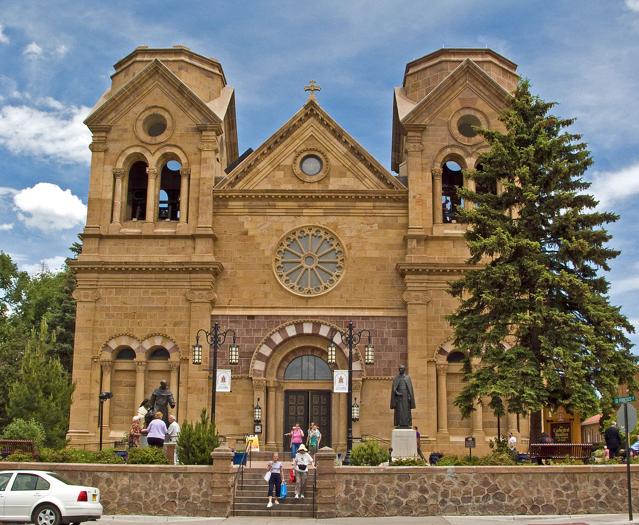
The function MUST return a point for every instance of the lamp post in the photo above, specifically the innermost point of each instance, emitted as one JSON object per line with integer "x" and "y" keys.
{"x": 104, "y": 397}
{"x": 215, "y": 339}
{"x": 351, "y": 337}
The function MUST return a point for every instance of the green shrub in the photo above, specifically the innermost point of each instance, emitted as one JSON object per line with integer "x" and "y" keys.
{"x": 494, "y": 458}
{"x": 19, "y": 456}
{"x": 196, "y": 442}
{"x": 408, "y": 462}
{"x": 147, "y": 456}
{"x": 22, "y": 429}
{"x": 76, "y": 455}
{"x": 369, "y": 453}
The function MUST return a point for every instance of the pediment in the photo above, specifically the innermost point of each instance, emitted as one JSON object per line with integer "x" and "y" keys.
{"x": 467, "y": 80}
{"x": 154, "y": 78}
{"x": 275, "y": 164}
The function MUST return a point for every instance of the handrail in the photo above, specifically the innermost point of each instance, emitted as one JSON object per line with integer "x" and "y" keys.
{"x": 239, "y": 474}
{"x": 314, "y": 492}
{"x": 365, "y": 437}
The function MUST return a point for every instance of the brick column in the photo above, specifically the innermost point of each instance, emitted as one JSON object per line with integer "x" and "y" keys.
{"x": 326, "y": 489}
{"x": 118, "y": 173}
{"x": 98, "y": 148}
{"x": 430, "y": 430}
{"x": 437, "y": 195}
{"x": 222, "y": 482}
{"x": 419, "y": 186}
{"x": 442, "y": 399}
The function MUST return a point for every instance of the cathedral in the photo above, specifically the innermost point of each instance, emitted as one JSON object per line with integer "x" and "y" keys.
{"x": 202, "y": 262}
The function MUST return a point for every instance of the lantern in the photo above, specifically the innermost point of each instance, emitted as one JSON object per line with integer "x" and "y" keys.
{"x": 234, "y": 353}
{"x": 369, "y": 353}
{"x": 257, "y": 412}
{"x": 332, "y": 348}
{"x": 197, "y": 352}
{"x": 355, "y": 411}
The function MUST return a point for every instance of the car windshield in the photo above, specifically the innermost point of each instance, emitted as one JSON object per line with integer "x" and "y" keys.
{"x": 60, "y": 478}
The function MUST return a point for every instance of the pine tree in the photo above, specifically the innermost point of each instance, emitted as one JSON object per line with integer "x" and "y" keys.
{"x": 534, "y": 318}
{"x": 42, "y": 389}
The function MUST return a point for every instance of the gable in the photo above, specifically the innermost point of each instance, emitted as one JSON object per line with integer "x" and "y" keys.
{"x": 276, "y": 164}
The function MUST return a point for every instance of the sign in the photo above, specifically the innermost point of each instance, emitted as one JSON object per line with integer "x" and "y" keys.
{"x": 252, "y": 443}
{"x": 223, "y": 383}
{"x": 340, "y": 381}
{"x": 561, "y": 432}
{"x": 623, "y": 399}
{"x": 257, "y": 428}
{"x": 632, "y": 418}
{"x": 469, "y": 442}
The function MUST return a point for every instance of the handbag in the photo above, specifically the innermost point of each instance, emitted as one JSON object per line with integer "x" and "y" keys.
{"x": 267, "y": 476}
{"x": 283, "y": 490}
{"x": 301, "y": 467}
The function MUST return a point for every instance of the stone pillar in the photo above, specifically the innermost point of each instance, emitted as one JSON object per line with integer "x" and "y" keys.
{"x": 326, "y": 489}
{"x": 512, "y": 423}
{"x": 152, "y": 175}
{"x": 478, "y": 420}
{"x": 437, "y": 195}
{"x": 470, "y": 184}
{"x": 118, "y": 173}
{"x": 140, "y": 381}
{"x": 174, "y": 366}
{"x": 442, "y": 399}
{"x": 419, "y": 186}
{"x": 430, "y": 430}
{"x": 269, "y": 405}
{"x": 185, "y": 173}
{"x": 107, "y": 367}
{"x": 221, "y": 496}
{"x": 98, "y": 148}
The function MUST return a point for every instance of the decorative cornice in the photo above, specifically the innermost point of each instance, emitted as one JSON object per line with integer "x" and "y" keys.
{"x": 118, "y": 172}
{"x": 201, "y": 296}
{"x": 437, "y": 173}
{"x": 396, "y": 195}
{"x": 416, "y": 297}
{"x": 435, "y": 268}
{"x": 108, "y": 266}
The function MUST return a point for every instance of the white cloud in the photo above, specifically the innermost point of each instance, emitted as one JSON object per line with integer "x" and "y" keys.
{"x": 58, "y": 134}
{"x": 61, "y": 50}
{"x": 4, "y": 39}
{"x": 49, "y": 208}
{"x": 33, "y": 50}
{"x": 606, "y": 185}
{"x": 633, "y": 5}
{"x": 50, "y": 264}
{"x": 6, "y": 227}
{"x": 4, "y": 190}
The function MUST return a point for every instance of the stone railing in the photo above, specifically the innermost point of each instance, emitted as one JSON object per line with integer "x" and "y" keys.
{"x": 424, "y": 491}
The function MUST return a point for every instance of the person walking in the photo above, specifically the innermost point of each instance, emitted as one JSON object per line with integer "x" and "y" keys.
{"x": 156, "y": 431}
{"x": 314, "y": 439}
{"x": 303, "y": 461}
{"x": 613, "y": 439}
{"x": 135, "y": 432}
{"x": 297, "y": 438}
{"x": 274, "y": 481}
{"x": 172, "y": 435}
{"x": 418, "y": 437}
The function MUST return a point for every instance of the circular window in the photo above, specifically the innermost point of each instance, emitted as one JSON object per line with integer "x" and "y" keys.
{"x": 466, "y": 125}
{"x": 311, "y": 165}
{"x": 154, "y": 125}
{"x": 309, "y": 261}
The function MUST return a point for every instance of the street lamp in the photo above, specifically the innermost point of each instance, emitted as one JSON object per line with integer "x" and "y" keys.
{"x": 355, "y": 411}
{"x": 104, "y": 397}
{"x": 351, "y": 337}
{"x": 215, "y": 339}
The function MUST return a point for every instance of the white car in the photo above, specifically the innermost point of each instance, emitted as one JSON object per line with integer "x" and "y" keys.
{"x": 45, "y": 498}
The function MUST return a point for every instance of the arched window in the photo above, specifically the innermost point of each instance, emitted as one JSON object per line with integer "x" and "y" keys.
{"x": 308, "y": 368}
{"x": 169, "y": 198}
{"x": 455, "y": 357}
{"x": 159, "y": 354}
{"x": 125, "y": 354}
{"x": 485, "y": 186}
{"x": 136, "y": 192}
{"x": 452, "y": 179}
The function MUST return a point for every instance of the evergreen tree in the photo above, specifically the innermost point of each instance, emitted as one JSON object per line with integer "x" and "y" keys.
{"x": 197, "y": 441}
{"x": 534, "y": 318}
{"x": 42, "y": 389}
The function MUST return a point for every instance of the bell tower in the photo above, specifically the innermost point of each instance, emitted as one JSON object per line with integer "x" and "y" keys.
{"x": 162, "y": 135}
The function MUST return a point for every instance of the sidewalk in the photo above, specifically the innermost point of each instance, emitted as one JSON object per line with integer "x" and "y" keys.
{"x": 588, "y": 519}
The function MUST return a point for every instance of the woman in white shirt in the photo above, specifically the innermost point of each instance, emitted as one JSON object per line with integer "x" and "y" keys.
{"x": 303, "y": 461}
{"x": 275, "y": 481}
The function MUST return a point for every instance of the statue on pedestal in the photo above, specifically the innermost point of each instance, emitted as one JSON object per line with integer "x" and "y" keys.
{"x": 161, "y": 399}
{"x": 402, "y": 399}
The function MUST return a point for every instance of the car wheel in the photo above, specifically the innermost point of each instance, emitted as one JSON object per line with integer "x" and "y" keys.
{"x": 47, "y": 515}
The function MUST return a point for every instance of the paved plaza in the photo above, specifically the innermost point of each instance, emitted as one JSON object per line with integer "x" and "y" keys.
{"x": 589, "y": 519}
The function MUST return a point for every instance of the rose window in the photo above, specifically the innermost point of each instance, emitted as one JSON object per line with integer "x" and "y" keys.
{"x": 309, "y": 261}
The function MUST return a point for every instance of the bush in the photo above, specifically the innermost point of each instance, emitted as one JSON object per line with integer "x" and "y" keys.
{"x": 196, "y": 442}
{"x": 76, "y": 455}
{"x": 494, "y": 458}
{"x": 408, "y": 462}
{"x": 23, "y": 429}
{"x": 19, "y": 456}
{"x": 369, "y": 453}
{"x": 147, "y": 456}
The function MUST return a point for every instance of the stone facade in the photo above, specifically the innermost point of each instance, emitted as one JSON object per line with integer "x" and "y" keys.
{"x": 182, "y": 232}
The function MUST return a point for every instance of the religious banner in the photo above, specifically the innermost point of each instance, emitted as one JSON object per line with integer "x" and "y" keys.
{"x": 223, "y": 383}
{"x": 340, "y": 381}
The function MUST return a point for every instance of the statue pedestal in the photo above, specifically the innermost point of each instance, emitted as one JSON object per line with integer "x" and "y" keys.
{"x": 404, "y": 443}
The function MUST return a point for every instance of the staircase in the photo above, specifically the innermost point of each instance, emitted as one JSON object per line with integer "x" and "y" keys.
{"x": 251, "y": 497}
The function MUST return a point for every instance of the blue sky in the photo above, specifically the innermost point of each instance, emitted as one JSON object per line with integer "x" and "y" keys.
{"x": 56, "y": 58}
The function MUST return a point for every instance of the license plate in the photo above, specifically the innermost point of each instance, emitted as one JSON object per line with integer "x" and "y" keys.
{"x": 95, "y": 497}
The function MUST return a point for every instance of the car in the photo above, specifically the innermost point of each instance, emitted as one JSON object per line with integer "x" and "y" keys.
{"x": 46, "y": 498}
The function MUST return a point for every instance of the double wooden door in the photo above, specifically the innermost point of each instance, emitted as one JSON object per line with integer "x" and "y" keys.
{"x": 306, "y": 406}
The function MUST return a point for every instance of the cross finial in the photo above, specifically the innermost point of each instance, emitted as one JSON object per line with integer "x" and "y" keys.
{"x": 312, "y": 88}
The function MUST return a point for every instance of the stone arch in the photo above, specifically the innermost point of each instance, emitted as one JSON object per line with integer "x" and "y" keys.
{"x": 322, "y": 330}
{"x": 110, "y": 347}
{"x": 452, "y": 152}
{"x": 153, "y": 340}
{"x": 444, "y": 350}
{"x": 169, "y": 152}
{"x": 131, "y": 155}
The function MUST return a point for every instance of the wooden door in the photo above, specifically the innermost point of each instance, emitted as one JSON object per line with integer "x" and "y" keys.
{"x": 304, "y": 406}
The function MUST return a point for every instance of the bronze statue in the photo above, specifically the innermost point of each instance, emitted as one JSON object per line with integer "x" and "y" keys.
{"x": 402, "y": 399}
{"x": 161, "y": 399}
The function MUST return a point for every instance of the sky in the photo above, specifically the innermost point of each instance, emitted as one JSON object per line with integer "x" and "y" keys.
{"x": 56, "y": 58}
